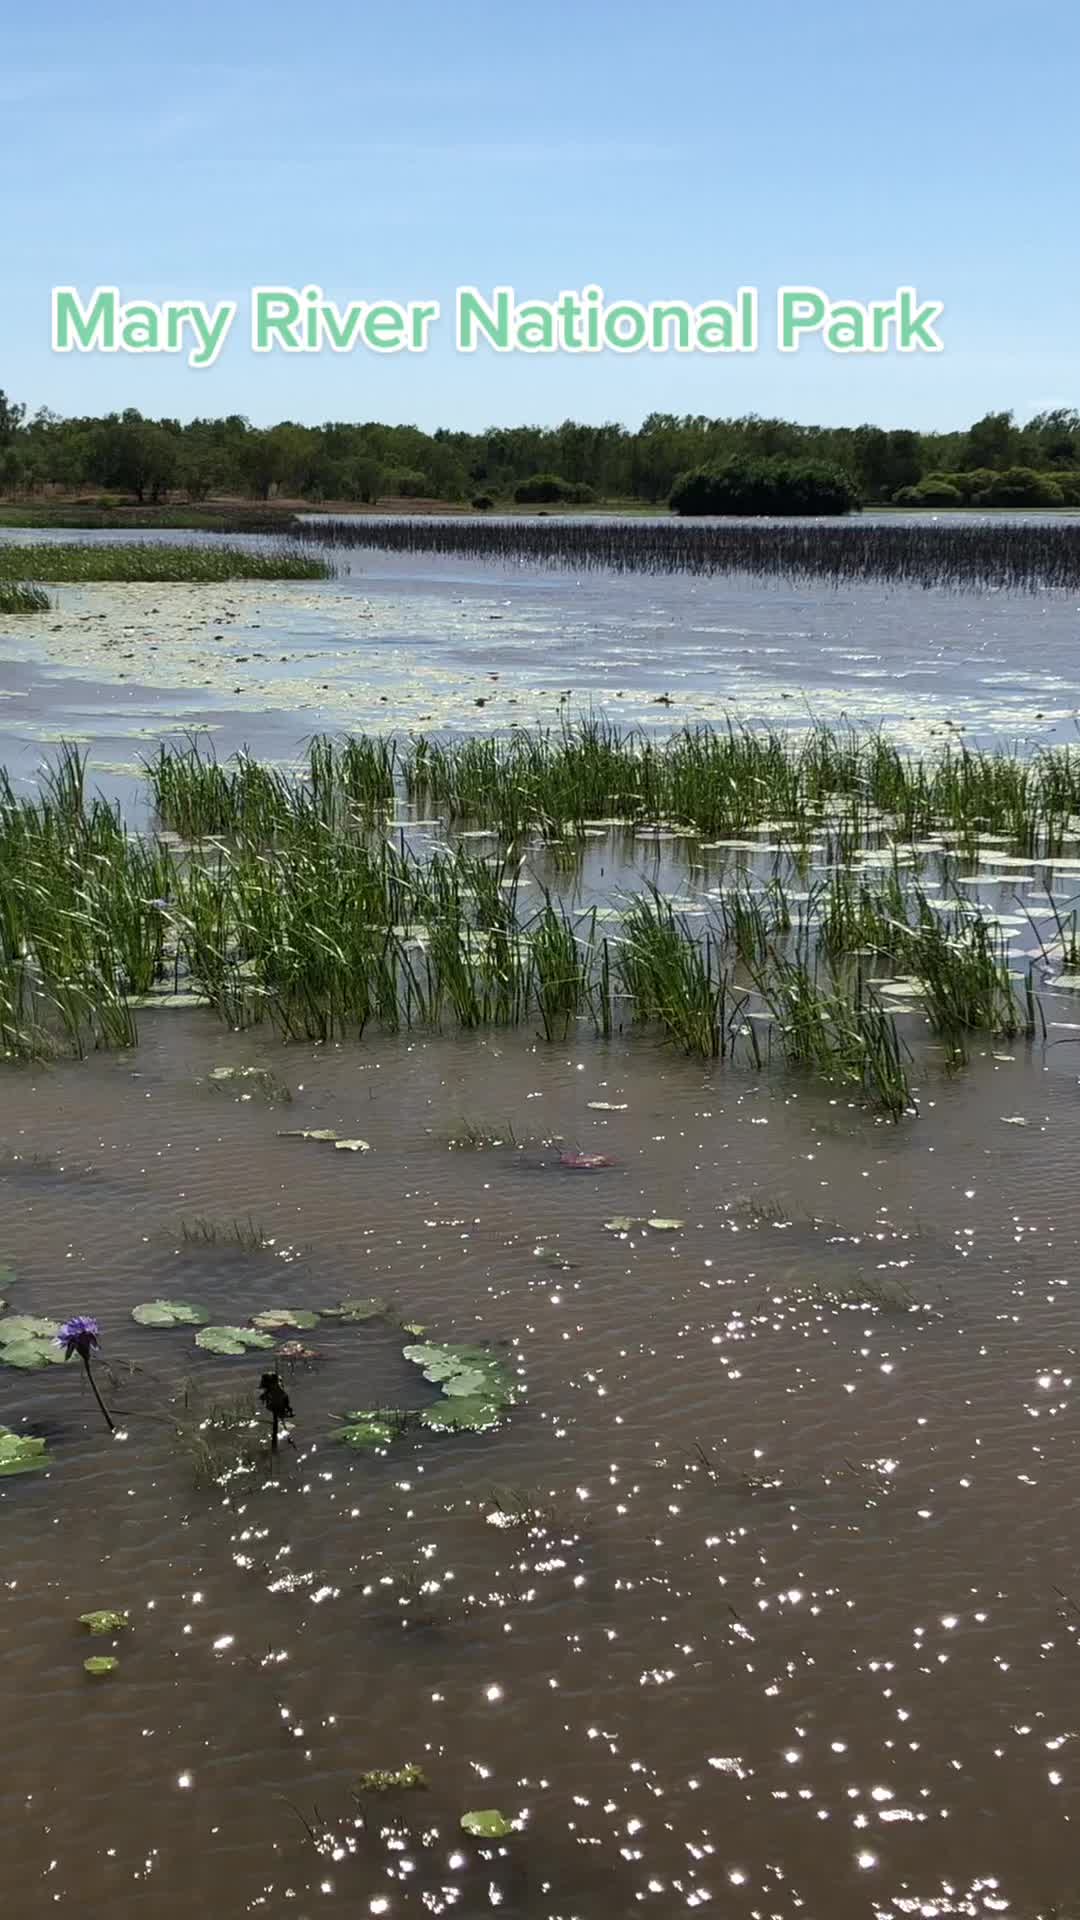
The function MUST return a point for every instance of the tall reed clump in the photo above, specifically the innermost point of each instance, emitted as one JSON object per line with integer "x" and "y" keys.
{"x": 1017, "y": 556}
{"x": 17, "y": 597}
{"x": 78, "y": 563}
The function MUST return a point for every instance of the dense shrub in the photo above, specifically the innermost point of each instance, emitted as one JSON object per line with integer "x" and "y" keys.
{"x": 542, "y": 489}
{"x": 1022, "y": 487}
{"x": 765, "y": 486}
{"x": 483, "y": 502}
{"x": 934, "y": 491}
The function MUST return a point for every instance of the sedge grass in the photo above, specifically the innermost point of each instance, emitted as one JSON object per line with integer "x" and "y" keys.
{"x": 79, "y": 563}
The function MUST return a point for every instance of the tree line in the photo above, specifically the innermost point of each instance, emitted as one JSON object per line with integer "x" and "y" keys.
{"x": 997, "y": 460}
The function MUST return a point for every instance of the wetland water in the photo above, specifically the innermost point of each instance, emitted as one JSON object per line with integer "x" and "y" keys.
{"x": 794, "y": 1627}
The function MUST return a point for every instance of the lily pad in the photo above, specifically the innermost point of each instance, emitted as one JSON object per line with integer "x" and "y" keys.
{"x": 609, "y": 1106}
{"x": 622, "y": 1223}
{"x": 372, "y": 1308}
{"x": 18, "y": 1326}
{"x": 473, "y": 1415}
{"x": 274, "y": 1317}
{"x": 487, "y": 1824}
{"x": 231, "y": 1340}
{"x": 666, "y": 1226}
{"x": 104, "y": 1620}
{"x": 369, "y": 1432}
{"x": 100, "y": 1664}
{"x": 29, "y": 1343}
{"x": 21, "y": 1453}
{"x": 352, "y": 1146}
{"x": 307, "y": 1133}
{"x": 169, "y": 1313}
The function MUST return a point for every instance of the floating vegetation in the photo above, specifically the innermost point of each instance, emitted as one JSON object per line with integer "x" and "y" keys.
{"x": 169, "y": 1313}
{"x": 21, "y": 1453}
{"x": 308, "y": 1133}
{"x": 271, "y": 1319}
{"x": 487, "y": 1824}
{"x": 887, "y": 1296}
{"x": 477, "y": 1385}
{"x": 1033, "y": 557}
{"x": 231, "y": 1340}
{"x": 374, "y": 1430}
{"x": 367, "y": 1307}
{"x": 104, "y": 1620}
{"x": 17, "y": 597}
{"x": 100, "y": 1664}
{"x": 29, "y": 1343}
{"x": 77, "y": 563}
{"x": 406, "y": 1779}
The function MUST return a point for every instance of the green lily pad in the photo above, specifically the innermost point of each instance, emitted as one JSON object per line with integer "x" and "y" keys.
{"x": 21, "y": 1453}
{"x": 26, "y": 1325}
{"x": 369, "y": 1432}
{"x": 487, "y": 1824}
{"x": 100, "y": 1663}
{"x": 231, "y": 1340}
{"x": 473, "y": 1415}
{"x": 272, "y": 1318}
{"x": 481, "y": 1372}
{"x": 29, "y": 1343}
{"x": 466, "y": 1385}
{"x": 307, "y": 1133}
{"x": 622, "y": 1223}
{"x": 104, "y": 1620}
{"x": 352, "y": 1146}
{"x": 169, "y": 1313}
{"x": 666, "y": 1226}
{"x": 401, "y": 1780}
{"x": 372, "y": 1308}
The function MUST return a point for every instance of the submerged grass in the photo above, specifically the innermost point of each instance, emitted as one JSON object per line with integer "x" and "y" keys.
{"x": 80, "y": 562}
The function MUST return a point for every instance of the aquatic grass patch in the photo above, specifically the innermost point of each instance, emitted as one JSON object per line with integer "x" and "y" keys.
{"x": 220, "y": 1436}
{"x": 16, "y": 596}
{"x": 81, "y": 563}
{"x": 1012, "y": 556}
{"x": 237, "y": 1236}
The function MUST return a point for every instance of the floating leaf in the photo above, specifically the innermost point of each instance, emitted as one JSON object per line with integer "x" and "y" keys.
{"x": 308, "y": 1133}
{"x": 415, "y": 1327}
{"x": 609, "y": 1106}
{"x": 487, "y": 1824}
{"x": 231, "y": 1340}
{"x": 464, "y": 1385}
{"x": 101, "y": 1663}
{"x": 666, "y": 1226}
{"x": 104, "y": 1620}
{"x": 462, "y": 1416}
{"x": 372, "y": 1308}
{"x": 352, "y": 1146}
{"x": 177, "y": 1002}
{"x": 370, "y": 1432}
{"x": 272, "y": 1318}
{"x": 169, "y": 1313}
{"x": 18, "y": 1326}
{"x": 21, "y": 1453}
{"x": 622, "y": 1223}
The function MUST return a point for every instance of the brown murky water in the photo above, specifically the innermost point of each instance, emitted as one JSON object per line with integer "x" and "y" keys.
{"x": 834, "y": 1676}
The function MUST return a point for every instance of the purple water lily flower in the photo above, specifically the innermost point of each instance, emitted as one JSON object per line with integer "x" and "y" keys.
{"x": 78, "y": 1335}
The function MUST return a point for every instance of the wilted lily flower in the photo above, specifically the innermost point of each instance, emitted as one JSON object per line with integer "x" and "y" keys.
{"x": 78, "y": 1335}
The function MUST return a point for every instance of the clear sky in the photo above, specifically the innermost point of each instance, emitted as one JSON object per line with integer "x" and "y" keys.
{"x": 672, "y": 150}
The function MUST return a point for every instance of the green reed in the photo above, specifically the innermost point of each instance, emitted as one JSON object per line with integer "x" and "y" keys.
{"x": 79, "y": 563}
{"x": 16, "y": 596}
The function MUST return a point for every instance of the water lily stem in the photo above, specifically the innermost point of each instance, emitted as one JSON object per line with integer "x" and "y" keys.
{"x": 109, "y": 1421}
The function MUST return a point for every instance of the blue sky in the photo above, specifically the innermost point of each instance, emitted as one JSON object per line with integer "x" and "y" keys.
{"x": 672, "y": 151}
